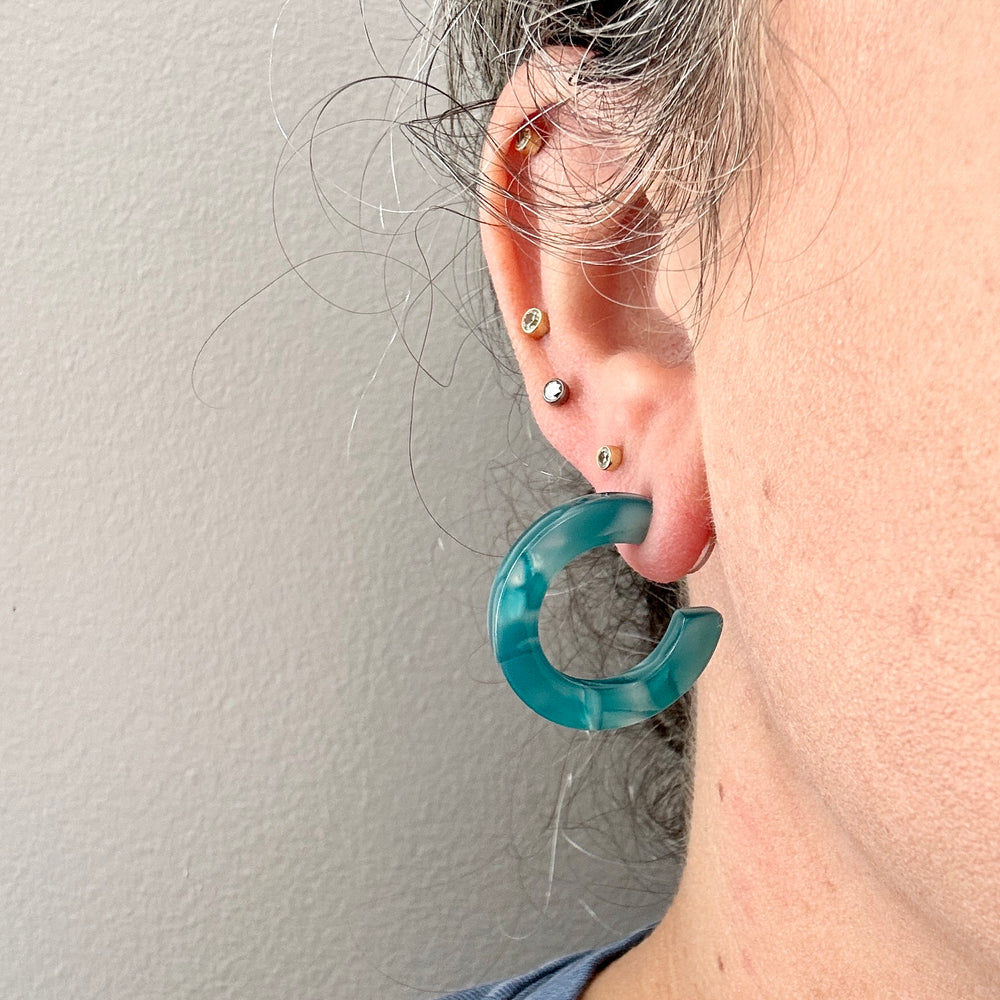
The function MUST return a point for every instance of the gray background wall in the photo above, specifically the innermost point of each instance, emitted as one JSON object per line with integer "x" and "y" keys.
{"x": 251, "y": 742}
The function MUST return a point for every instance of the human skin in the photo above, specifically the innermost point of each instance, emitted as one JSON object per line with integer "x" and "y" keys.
{"x": 846, "y": 408}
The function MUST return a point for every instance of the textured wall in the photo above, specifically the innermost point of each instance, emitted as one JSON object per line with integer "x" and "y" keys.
{"x": 250, "y": 742}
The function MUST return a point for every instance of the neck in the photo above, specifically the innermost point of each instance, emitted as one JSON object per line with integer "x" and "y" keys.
{"x": 776, "y": 900}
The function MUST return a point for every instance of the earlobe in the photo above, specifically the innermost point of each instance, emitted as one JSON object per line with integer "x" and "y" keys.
{"x": 573, "y": 260}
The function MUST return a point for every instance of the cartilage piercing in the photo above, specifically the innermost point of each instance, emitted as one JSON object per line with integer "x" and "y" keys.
{"x": 527, "y": 141}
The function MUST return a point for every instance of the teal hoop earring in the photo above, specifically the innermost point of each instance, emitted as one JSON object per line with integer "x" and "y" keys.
{"x": 551, "y": 543}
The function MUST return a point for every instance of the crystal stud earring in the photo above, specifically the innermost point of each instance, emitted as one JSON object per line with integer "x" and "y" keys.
{"x": 527, "y": 141}
{"x": 609, "y": 458}
{"x": 554, "y": 392}
{"x": 535, "y": 323}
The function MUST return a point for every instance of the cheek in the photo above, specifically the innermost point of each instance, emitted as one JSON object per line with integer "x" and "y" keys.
{"x": 850, "y": 406}
{"x": 850, "y": 416}
{"x": 858, "y": 518}
{"x": 855, "y": 483}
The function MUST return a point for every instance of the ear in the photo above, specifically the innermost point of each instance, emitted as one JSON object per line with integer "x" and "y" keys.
{"x": 562, "y": 232}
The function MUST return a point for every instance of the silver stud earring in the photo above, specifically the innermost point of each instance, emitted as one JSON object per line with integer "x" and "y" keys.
{"x": 554, "y": 391}
{"x": 535, "y": 323}
{"x": 609, "y": 458}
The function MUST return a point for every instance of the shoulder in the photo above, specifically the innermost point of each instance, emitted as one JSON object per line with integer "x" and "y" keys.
{"x": 563, "y": 979}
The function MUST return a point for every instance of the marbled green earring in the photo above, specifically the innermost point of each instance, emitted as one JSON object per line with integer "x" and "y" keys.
{"x": 551, "y": 543}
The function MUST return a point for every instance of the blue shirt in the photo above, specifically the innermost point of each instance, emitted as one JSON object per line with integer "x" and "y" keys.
{"x": 563, "y": 979}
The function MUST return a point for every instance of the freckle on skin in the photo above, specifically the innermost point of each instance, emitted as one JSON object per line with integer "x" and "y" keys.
{"x": 720, "y": 963}
{"x": 722, "y": 792}
{"x": 768, "y": 490}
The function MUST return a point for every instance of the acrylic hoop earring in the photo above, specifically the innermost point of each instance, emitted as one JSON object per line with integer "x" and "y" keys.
{"x": 551, "y": 543}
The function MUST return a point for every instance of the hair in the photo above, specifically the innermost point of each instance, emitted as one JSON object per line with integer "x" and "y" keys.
{"x": 684, "y": 82}
{"x": 678, "y": 85}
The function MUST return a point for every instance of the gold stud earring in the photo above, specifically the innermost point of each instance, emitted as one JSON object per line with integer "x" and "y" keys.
{"x": 527, "y": 141}
{"x": 609, "y": 458}
{"x": 535, "y": 323}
